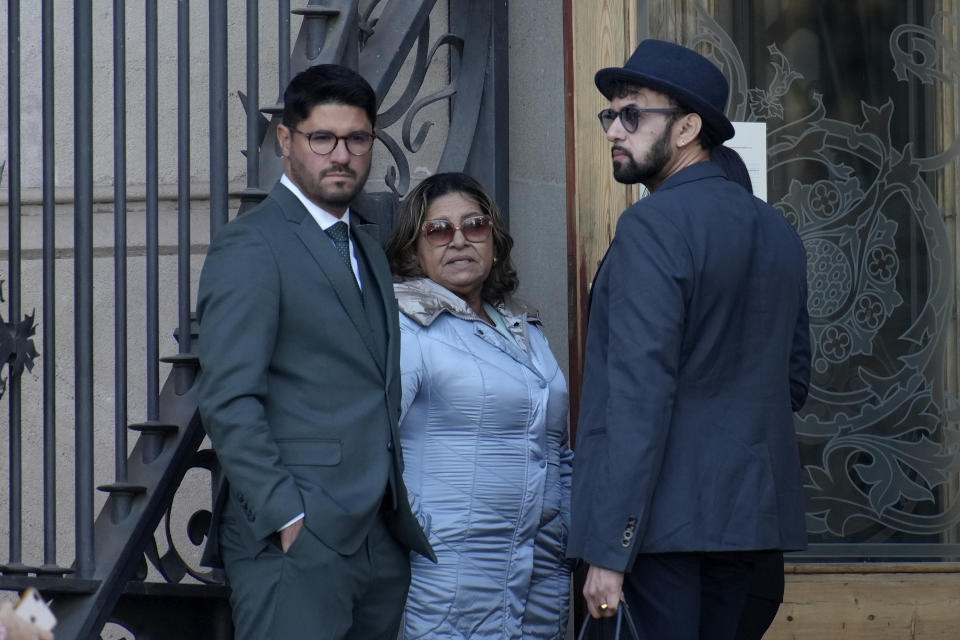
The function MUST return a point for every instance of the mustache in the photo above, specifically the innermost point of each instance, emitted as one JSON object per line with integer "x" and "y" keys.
{"x": 338, "y": 168}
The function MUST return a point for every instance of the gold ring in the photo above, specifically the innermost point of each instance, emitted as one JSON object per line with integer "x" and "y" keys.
{"x": 604, "y": 606}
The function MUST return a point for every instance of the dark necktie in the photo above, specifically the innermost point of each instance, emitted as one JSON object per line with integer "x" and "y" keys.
{"x": 339, "y": 233}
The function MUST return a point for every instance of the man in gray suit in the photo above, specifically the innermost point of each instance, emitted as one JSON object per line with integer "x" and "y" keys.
{"x": 300, "y": 389}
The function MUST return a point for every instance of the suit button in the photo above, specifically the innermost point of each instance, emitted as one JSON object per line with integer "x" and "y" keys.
{"x": 628, "y": 532}
{"x": 389, "y": 446}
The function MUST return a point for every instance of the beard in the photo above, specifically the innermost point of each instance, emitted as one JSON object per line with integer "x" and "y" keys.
{"x": 331, "y": 197}
{"x": 631, "y": 172}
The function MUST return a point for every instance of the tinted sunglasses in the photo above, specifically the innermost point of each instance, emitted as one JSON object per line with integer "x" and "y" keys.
{"x": 630, "y": 116}
{"x": 440, "y": 232}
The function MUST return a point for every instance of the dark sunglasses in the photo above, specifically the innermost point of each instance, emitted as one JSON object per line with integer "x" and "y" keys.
{"x": 440, "y": 232}
{"x": 629, "y": 116}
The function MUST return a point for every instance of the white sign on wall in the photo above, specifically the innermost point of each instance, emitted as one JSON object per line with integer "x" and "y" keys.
{"x": 750, "y": 141}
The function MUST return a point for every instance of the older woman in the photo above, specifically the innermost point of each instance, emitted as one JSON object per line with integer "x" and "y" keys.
{"x": 484, "y": 425}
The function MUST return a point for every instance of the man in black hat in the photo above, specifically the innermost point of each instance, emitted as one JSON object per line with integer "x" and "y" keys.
{"x": 687, "y": 470}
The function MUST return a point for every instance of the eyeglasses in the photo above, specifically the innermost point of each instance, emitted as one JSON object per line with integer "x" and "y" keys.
{"x": 440, "y": 232}
{"x": 629, "y": 116}
{"x": 323, "y": 143}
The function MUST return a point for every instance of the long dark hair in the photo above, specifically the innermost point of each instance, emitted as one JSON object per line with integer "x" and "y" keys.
{"x": 401, "y": 247}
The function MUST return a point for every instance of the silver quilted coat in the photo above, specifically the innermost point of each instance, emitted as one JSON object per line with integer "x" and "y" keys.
{"x": 488, "y": 469}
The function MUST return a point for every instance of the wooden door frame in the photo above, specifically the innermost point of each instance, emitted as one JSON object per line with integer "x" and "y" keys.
{"x": 596, "y": 35}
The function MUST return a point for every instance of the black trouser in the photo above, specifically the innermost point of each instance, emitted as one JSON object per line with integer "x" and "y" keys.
{"x": 687, "y": 596}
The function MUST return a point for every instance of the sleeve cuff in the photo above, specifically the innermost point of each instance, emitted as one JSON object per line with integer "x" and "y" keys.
{"x": 297, "y": 519}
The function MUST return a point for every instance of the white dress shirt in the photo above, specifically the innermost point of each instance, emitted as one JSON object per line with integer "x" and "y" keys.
{"x": 325, "y": 219}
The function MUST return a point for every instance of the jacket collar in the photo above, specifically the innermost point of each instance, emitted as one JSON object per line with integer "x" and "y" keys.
{"x": 294, "y": 210}
{"x": 694, "y": 172}
{"x": 423, "y": 301}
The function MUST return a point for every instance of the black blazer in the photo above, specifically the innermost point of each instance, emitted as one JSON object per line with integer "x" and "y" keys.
{"x": 697, "y": 352}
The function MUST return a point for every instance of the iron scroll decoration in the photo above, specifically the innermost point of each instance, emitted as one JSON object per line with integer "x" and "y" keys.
{"x": 174, "y": 564}
{"x": 17, "y": 350}
{"x": 879, "y": 430}
{"x": 389, "y": 35}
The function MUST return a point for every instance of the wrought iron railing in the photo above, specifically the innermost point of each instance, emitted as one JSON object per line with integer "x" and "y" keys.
{"x": 108, "y": 580}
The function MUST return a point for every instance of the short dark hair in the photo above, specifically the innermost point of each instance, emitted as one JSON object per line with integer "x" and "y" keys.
{"x": 708, "y": 138}
{"x": 401, "y": 247}
{"x": 327, "y": 84}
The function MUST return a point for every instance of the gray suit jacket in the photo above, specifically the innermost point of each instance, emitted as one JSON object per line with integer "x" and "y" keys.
{"x": 300, "y": 388}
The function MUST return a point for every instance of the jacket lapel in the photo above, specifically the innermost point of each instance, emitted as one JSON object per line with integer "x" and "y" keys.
{"x": 331, "y": 264}
{"x": 382, "y": 284}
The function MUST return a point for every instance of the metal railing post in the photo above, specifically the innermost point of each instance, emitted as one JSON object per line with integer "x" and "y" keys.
{"x": 218, "y": 114}
{"x": 183, "y": 173}
{"x": 120, "y": 237}
{"x": 283, "y": 46}
{"x": 13, "y": 291}
{"x": 83, "y": 281}
{"x": 253, "y": 95}
{"x": 49, "y": 143}
{"x": 152, "y": 214}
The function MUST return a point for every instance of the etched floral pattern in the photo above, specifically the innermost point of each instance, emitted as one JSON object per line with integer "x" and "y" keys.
{"x": 765, "y": 104}
{"x": 829, "y": 278}
{"x": 879, "y": 432}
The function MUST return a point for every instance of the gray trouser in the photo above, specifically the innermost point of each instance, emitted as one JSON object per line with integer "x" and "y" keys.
{"x": 312, "y": 591}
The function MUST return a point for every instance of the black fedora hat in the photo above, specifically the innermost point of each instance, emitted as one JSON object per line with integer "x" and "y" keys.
{"x": 681, "y": 73}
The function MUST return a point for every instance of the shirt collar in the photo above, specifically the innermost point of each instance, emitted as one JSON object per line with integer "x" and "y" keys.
{"x": 323, "y": 217}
